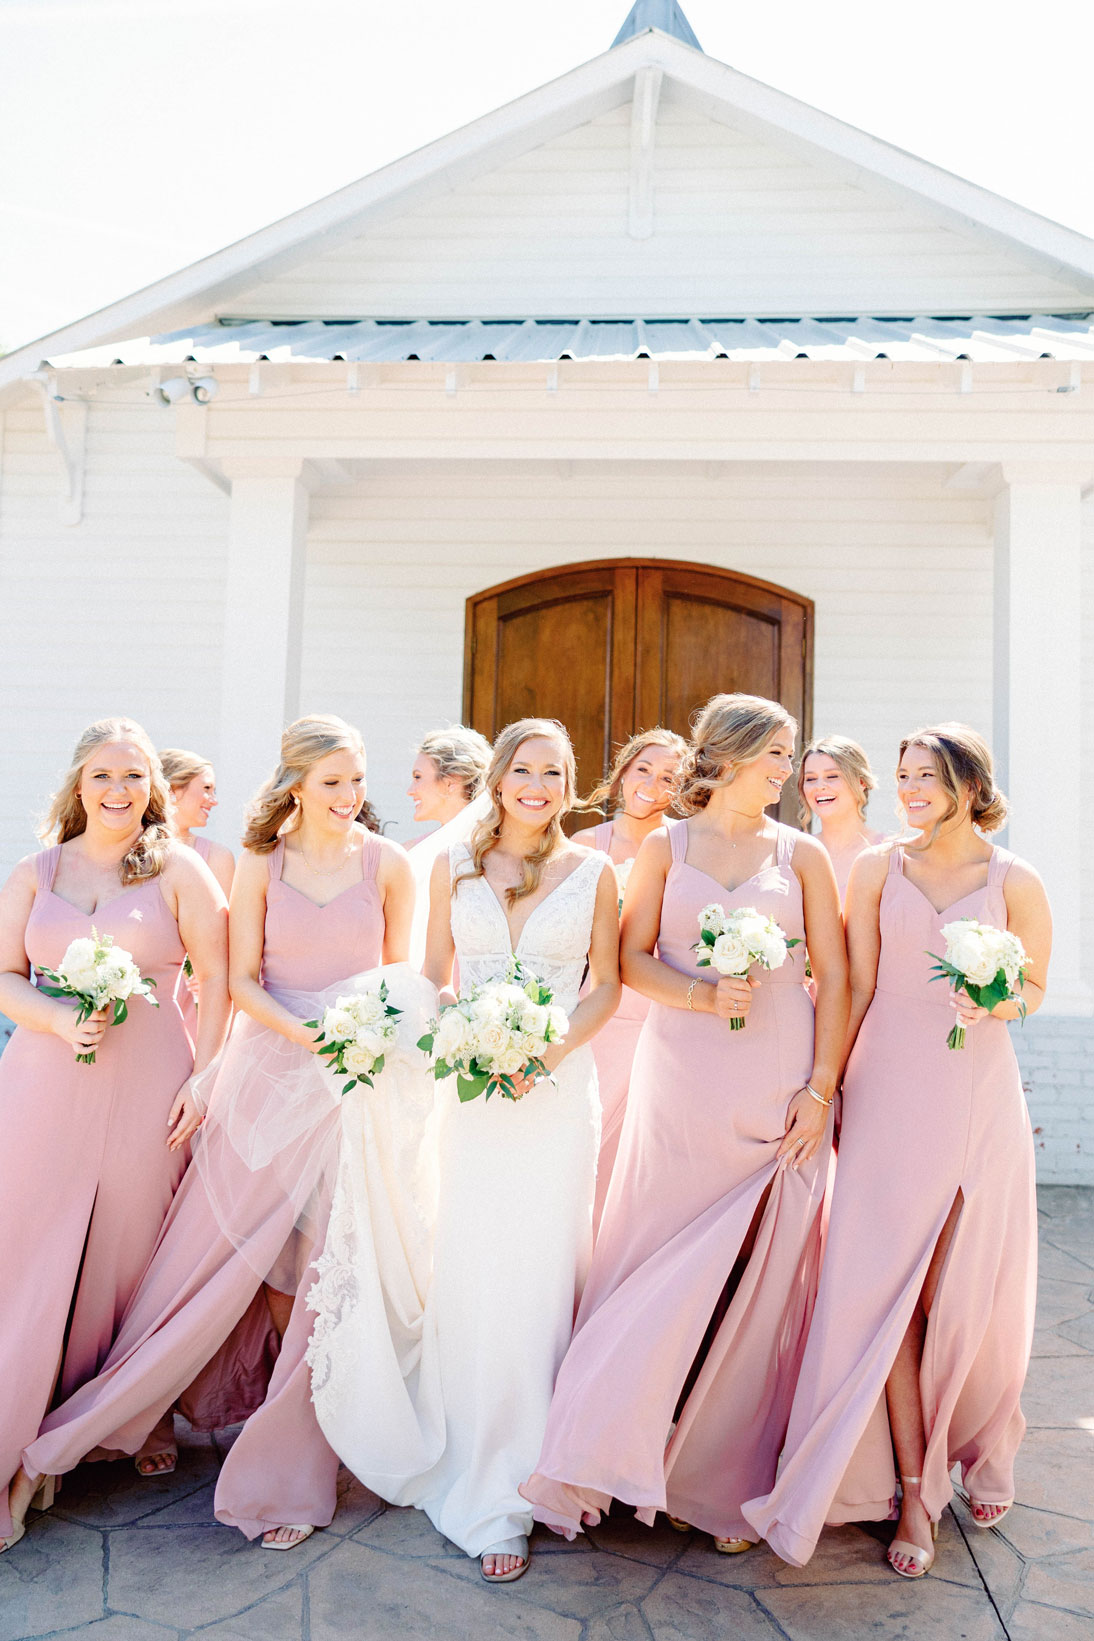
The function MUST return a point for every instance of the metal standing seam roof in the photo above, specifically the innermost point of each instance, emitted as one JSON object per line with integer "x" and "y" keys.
{"x": 978, "y": 337}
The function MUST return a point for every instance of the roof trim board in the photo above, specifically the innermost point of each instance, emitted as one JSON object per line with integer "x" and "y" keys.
{"x": 194, "y": 295}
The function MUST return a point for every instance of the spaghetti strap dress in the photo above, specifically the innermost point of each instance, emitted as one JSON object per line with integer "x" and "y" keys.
{"x": 923, "y": 1126}
{"x": 613, "y": 1050}
{"x": 246, "y": 1214}
{"x": 86, "y": 1176}
{"x": 705, "y": 1115}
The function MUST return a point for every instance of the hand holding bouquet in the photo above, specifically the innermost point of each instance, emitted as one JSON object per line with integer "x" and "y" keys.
{"x": 731, "y": 942}
{"x": 96, "y": 974}
{"x": 356, "y": 1033}
{"x": 988, "y": 964}
{"x": 496, "y": 1037}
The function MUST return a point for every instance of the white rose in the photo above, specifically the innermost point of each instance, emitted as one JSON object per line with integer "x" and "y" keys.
{"x": 487, "y": 1007}
{"x": 511, "y": 1061}
{"x": 368, "y": 1008}
{"x": 772, "y": 947}
{"x": 338, "y": 1025}
{"x": 730, "y": 955}
{"x": 359, "y": 1060}
{"x": 969, "y": 952}
{"x": 534, "y": 1019}
{"x": 78, "y": 966}
{"x": 492, "y": 1042}
{"x": 452, "y": 1037}
{"x": 119, "y": 979}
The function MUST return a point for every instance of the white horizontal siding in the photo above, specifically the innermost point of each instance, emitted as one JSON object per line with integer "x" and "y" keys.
{"x": 900, "y": 570}
{"x": 741, "y": 226}
{"x": 121, "y": 613}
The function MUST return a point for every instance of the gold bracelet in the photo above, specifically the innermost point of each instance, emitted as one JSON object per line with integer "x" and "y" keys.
{"x": 809, "y": 1089}
{"x": 691, "y": 994}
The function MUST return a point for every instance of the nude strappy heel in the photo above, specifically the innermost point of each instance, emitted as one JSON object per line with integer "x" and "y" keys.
{"x": 904, "y": 1546}
{"x": 42, "y": 1499}
{"x": 993, "y": 1521}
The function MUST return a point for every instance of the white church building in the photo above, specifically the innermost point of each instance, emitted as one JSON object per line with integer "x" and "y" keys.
{"x": 653, "y": 382}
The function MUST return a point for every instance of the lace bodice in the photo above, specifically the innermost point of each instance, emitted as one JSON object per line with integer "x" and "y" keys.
{"x": 553, "y": 944}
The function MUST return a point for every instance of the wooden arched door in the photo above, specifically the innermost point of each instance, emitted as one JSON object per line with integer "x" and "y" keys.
{"x": 621, "y": 644}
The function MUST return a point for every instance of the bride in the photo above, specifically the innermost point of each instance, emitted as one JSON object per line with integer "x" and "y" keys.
{"x": 514, "y": 1213}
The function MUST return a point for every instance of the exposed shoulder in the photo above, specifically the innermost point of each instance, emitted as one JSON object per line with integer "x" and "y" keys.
{"x": 1022, "y": 878}
{"x": 23, "y": 878}
{"x": 389, "y": 848}
{"x": 183, "y": 865}
{"x": 219, "y": 854}
{"x": 806, "y": 850}
{"x": 252, "y": 867}
{"x": 586, "y": 832}
{"x": 871, "y": 867}
{"x": 656, "y": 848}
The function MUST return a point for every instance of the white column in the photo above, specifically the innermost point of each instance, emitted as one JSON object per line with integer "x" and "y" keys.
{"x": 1037, "y": 696}
{"x": 263, "y": 623}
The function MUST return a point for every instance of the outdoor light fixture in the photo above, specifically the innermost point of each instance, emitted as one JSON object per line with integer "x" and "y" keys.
{"x": 173, "y": 389}
{"x": 176, "y": 388}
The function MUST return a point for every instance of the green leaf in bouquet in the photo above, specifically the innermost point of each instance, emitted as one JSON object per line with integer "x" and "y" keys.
{"x": 708, "y": 937}
{"x": 121, "y": 1011}
{"x": 426, "y": 1043}
{"x": 795, "y": 942}
{"x": 470, "y": 1087}
{"x": 312, "y": 1025}
{"x": 347, "y": 1086}
{"x": 377, "y": 1068}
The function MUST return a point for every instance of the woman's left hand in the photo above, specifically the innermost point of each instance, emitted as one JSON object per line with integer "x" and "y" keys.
{"x": 185, "y": 1119}
{"x": 806, "y": 1121}
{"x": 966, "y": 1010}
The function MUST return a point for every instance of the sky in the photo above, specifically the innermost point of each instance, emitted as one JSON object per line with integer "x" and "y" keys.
{"x": 139, "y": 135}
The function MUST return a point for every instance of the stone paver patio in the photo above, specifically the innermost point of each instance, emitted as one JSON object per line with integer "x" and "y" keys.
{"x": 123, "y": 1559}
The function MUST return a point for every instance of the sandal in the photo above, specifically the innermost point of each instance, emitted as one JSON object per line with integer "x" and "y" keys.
{"x": 269, "y": 1543}
{"x": 42, "y": 1499}
{"x": 924, "y": 1559}
{"x": 677, "y": 1525}
{"x": 143, "y": 1459}
{"x": 734, "y": 1546}
{"x": 991, "y": 1521}
{"x": 508, "y": 1547}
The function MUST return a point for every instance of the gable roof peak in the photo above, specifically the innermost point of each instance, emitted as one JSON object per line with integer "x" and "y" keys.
{"x": 664, "y": 15}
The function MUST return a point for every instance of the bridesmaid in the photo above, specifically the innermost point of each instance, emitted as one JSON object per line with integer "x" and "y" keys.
{"x": 722, "y": 1167}
{"x": 640, "y": 787}
{"x": 447, "y": 774}
{"x": 316, "y": 898}
{"x": 90, "y": 1155}
{"x": 515, "y": 1178}
{"x": 926, "y": 1301}
{"x": 834, "y": 785}
{"x": 193, "y": 799}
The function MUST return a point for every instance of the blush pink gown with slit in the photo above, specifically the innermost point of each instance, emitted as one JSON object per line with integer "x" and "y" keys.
{"x": 705, "y": 1115}
{"x": 922, "y": 1124}
{"x": 613, "y": 1050}
{"x": 86, "y": 1176}
{"x": 200, "y": 1290}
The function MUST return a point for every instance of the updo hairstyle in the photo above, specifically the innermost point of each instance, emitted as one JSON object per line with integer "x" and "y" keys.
{"x": 964, "y": 765}
{"x": 459, "y": 753}
{"x": 729, "y": 730}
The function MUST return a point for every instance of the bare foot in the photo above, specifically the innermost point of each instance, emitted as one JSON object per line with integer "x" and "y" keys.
{"x": 156, "y": 1464}
{"x": 914, "y": 1527}
{"x": 286, "y": 1538}
{"x": 496, "y": 1566}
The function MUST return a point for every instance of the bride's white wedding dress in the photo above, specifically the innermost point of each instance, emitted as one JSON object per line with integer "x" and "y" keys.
{"x": 511, "y": 1249}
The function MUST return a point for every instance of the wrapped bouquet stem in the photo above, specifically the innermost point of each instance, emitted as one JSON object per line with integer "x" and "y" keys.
{"x": 96, "y": 974}
{"x": 989, "y": 965}
{"x": 731, "y": 942}
{"x": 495, "y": 1038}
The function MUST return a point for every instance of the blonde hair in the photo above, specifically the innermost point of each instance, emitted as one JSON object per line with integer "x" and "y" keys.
{"x": 66, "y": 816}
{"x": 460, "y": 753}
{"x": 608, "y": 796}
{"x": 487, "y": 833}
{"x": 964, "y": 761}
{"x": 852, "y": 763}
{"x": 302, "y": 746}
{"x": 730, "y": 729}
{"x": 179, "y": 768}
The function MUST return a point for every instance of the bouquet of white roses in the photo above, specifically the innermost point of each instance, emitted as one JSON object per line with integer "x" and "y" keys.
{"x": 97, "y": 974}
{"x": 496, "y": 1036}
{"x": 732, "y": 941}
{"x": 356, "y": 1033}
{"x": 986, "y": 963}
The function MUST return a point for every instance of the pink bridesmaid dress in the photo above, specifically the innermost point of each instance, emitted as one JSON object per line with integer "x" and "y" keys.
{"x": 203, "y": 1286}
{"x": 922, "y": 1124}
{"x": 613, "y": 1050}
{"x": 86, "y": 1176}
{"x": 183, "y": 996}
{"x": 705, "y": 1115}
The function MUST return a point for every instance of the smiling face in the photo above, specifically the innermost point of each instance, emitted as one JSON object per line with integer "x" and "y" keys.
{"x": 332, "y": 791}
{"x": 920, "y": 789}
{"x": 649, "y": 782}
{"x": 430, "y": 792}
{"x": 195, "y": 800}
{"x": 759, "y": 784}
{"x": 115, "y": 784}
{"x": 826, "y": 790}
{"x": 533, "y": 789}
